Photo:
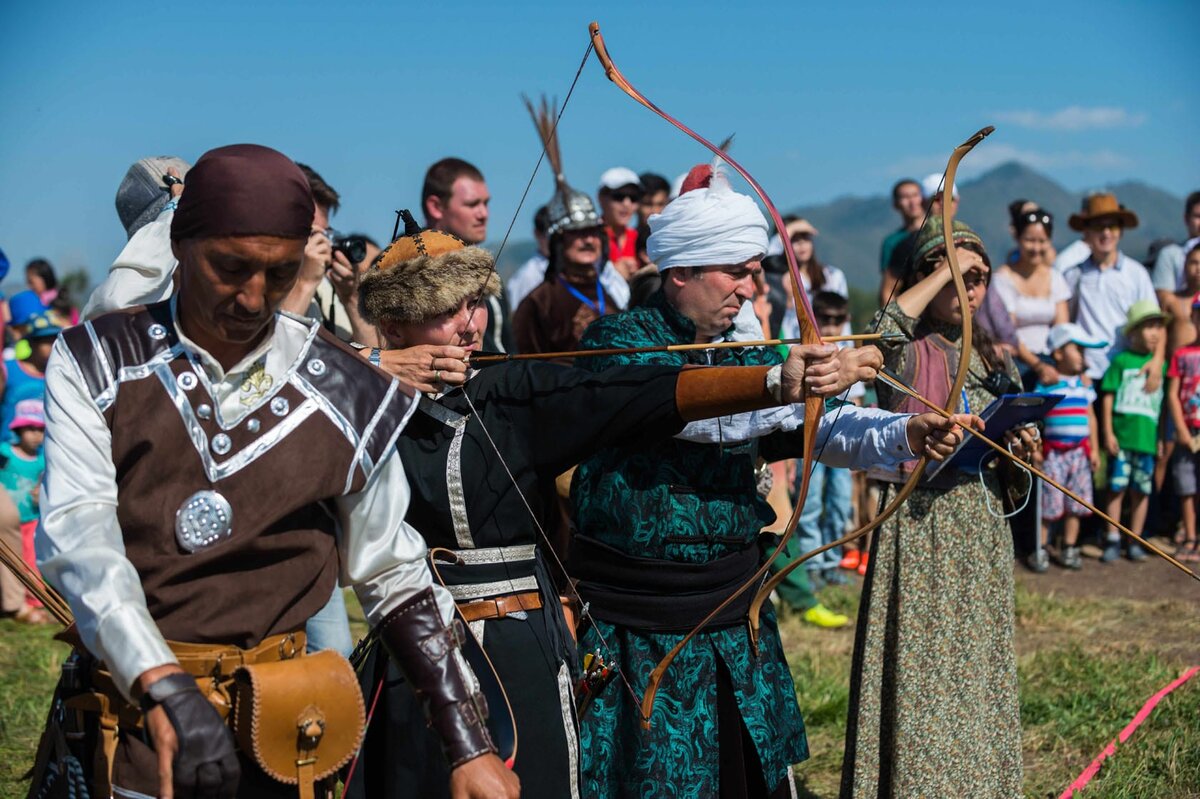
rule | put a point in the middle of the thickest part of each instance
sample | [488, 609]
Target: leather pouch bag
[300, 719]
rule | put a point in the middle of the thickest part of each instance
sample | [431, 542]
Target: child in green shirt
[1129, 421]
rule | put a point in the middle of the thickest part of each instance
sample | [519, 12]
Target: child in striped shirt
[1071, 438]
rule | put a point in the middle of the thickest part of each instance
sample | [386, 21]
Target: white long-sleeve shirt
[80, 548]
[849, 437]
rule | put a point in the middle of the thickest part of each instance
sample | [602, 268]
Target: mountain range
[852, 228]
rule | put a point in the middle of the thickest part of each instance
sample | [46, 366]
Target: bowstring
[878, 322]
[583, 611]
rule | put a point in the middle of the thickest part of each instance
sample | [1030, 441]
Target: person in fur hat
[482, 458]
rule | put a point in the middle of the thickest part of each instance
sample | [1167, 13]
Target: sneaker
[1136, 553]
[815, 580]
[850, 560]
[1071, 558]
[1111, 552]
[822, 616]
[862, 565]
[834, 577]
[1038, 561]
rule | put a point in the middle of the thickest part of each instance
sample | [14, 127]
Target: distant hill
[852, 228]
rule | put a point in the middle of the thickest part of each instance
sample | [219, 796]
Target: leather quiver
[299, 719]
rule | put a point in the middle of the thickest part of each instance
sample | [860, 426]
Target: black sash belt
[660, 595]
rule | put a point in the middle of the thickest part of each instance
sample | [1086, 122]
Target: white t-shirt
[1032, 316]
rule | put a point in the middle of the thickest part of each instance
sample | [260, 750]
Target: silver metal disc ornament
[221, 443]
[280, 406]
[204, 519]
[157, 332]
[186, 380]
[316, 367]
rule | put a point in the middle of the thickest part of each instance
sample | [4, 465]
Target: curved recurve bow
[814, 406]
[960, 377]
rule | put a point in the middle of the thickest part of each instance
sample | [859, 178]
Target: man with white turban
[666, 530]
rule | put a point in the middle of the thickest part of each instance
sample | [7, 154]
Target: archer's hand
[1023, 442]
[484, 777]
[426, 367]
[824, 370]
[935, 436]
[196, 754]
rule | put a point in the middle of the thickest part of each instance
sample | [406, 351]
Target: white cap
[619, 176]
[1069, 332]
[932, 184]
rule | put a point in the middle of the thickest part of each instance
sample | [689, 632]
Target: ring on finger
[437, 375]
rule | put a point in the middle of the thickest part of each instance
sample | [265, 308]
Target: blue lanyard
[597, 306]
[966, 403]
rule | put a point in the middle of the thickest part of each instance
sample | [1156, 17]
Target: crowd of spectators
[1110, 335]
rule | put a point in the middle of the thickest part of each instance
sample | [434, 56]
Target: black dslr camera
[353, 247]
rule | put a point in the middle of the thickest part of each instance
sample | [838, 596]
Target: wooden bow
[964, 358]
[813, 406]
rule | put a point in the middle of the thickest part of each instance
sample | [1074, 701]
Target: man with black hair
[907, 199]
[532, 273]
[1168, 266]
[454, 198]
[656, 193]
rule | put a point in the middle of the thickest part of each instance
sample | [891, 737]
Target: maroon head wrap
[244, 190]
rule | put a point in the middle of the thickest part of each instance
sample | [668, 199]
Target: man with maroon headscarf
[182, 503]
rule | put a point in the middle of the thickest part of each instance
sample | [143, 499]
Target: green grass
[1086, 666]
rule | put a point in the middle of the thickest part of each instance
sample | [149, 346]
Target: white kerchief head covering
[707, 225]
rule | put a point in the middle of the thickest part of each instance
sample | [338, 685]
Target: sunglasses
[832, 319]
[625, 196]
[802, 237]
[1104, 224]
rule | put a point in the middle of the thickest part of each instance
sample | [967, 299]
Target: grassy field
[1086, 666]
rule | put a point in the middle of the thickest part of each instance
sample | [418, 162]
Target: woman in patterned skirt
[933, 703]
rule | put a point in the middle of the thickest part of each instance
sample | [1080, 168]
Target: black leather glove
[206, 763]
[425, 649]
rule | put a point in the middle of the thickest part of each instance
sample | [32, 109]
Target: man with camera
[327, 288]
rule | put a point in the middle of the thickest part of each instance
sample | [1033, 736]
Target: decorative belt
[486, 573]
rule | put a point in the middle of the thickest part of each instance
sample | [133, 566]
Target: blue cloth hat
[24, 305]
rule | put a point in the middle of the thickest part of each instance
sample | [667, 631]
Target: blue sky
[826, 99]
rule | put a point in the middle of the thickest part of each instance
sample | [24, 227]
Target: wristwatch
[374, 357]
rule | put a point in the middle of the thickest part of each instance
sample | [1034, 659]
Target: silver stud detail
[204, 411]
[202, 520]
[253, 425]
[280, 406]
[221, 443]
[187, 381]
[157, 332]
[316, 367]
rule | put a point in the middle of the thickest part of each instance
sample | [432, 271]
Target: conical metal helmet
[571, 210]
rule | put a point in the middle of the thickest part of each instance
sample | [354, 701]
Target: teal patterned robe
[688, 502]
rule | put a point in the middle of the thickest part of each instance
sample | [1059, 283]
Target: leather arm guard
[426, 650]
[705, 392]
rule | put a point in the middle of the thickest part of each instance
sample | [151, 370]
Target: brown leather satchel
[300, 719]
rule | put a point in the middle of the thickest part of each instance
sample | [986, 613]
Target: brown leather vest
[316, 435]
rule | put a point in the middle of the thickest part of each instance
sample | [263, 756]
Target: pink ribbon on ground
[1088, 773]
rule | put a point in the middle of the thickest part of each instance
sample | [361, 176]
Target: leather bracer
[705, 391]
[426, 650]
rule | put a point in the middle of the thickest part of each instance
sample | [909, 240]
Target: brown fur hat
[423, 286]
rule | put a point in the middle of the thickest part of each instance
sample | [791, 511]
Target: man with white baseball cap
[620, 191]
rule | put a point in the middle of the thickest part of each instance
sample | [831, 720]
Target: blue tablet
[1005, 413]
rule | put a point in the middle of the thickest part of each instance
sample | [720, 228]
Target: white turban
[707, 227]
